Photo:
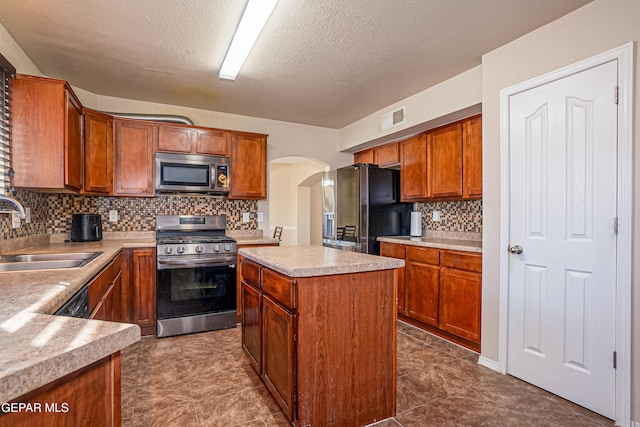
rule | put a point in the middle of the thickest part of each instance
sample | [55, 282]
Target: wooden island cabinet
[320, 332]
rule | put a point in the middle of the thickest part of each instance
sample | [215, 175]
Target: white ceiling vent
[393, 118]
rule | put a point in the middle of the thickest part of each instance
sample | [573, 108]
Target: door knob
[517, 249]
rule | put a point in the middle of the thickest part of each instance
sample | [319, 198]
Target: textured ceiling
[320, 62]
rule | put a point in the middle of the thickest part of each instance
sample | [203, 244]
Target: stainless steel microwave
[192, 173]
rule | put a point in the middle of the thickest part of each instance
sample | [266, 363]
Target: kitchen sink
[50, 261]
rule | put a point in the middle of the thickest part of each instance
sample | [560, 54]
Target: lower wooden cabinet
[394, 250]
[87, 397]
[105, 292]
[442, 291]
[140, 295]
[423, 286]
[460, 296]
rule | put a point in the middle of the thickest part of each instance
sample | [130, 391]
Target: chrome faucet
[21, 213]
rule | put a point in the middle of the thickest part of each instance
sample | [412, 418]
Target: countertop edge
[437, 243]
[379, 263]
[40, 373]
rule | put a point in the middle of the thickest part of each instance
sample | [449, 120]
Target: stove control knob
[168, 250]
[227, 248]
[216, 248]
[180, 249]
[199, 249]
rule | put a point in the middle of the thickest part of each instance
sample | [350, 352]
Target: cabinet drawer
[425, 255]
[280, 288]
[392, 250]
[463, 261]
[250, 273]
[98, 287]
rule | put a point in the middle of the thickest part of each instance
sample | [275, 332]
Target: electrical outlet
[435, 215]
[15, 219]
[260, 216]
[27, 212]
[245, 216]
[113, 215]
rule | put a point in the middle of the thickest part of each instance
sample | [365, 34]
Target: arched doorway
[295, 199]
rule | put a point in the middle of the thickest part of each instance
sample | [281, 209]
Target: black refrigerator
[360, 203]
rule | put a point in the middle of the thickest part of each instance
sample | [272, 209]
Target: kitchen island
[318, 326]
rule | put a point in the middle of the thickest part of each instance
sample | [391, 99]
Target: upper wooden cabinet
[364, 156]
[387, 155]
[413, 169]
[47, 135]
[454, 154]
[248, 166]
[134, 157]
[472, 158]
[444, 162]
[191, 139]
[384, 155]
[98, 153]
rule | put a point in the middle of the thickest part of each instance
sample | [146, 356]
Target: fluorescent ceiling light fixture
[254, 17]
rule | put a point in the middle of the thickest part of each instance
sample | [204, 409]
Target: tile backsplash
[51, 213]
[457, 215]
[37, 203]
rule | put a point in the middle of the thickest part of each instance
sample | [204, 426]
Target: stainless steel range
[196, 279]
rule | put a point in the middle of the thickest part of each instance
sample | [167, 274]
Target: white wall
[290, 202]
[14, 53]
[592, 29]
[450, 96]
[285, 139]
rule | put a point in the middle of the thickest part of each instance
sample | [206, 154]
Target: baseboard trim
[492, 364]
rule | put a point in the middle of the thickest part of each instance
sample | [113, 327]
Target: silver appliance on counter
[196, 274]
[360, 203]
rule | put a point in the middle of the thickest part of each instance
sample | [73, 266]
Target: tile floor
[204, 380]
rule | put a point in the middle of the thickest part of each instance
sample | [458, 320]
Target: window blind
[7, 71]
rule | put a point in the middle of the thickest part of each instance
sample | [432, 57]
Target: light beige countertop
[315, 260]
[251, 241]
[251, 237]
[460, 242]
[37, 347]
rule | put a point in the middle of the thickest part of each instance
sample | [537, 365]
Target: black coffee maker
[86, 228]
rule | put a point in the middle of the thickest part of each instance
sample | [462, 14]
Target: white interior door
[562, 286]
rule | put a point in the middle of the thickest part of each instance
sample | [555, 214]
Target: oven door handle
[166, 264]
